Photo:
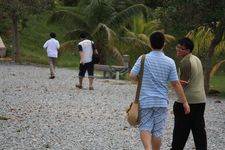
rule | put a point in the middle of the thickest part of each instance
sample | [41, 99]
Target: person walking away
[192, 80]
[52, 46]
[158, 71]
[86, 49]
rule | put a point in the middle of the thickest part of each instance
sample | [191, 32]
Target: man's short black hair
[187, 43]
[52, 34]
[157, 40]
[82, 35]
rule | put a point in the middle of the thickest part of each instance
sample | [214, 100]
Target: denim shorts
[153, 120]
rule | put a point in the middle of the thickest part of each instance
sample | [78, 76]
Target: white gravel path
[52, 114]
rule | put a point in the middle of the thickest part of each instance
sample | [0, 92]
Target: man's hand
[186, 108]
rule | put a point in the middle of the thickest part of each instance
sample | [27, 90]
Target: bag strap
[140, 79]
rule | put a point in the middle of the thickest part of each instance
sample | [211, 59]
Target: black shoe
[52, 77]
[78, 86]
[91, 88]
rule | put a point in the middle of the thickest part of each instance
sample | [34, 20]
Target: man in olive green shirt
[192, 80]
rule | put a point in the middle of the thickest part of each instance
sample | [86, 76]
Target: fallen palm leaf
[216, 67]
[3, 118]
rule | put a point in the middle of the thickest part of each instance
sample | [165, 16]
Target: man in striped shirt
[158, 71]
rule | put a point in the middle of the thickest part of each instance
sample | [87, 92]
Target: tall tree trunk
[102, 52]
[207, 66]
[219, 30]
[16, 45]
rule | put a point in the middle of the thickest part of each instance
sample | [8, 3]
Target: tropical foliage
[202, 37]
[101, 21]
[209, 42]
[210, 14]
[117, 27]
[19, 11]
[138, 34]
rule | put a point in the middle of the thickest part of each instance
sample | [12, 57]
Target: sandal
[91, 88]
[79, 86]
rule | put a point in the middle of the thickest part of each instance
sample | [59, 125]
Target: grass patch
[217, 82]
[34, 36]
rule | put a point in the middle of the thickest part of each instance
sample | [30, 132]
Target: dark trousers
[89, 67]
[183, 124]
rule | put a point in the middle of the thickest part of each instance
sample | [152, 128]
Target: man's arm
[184, 83]
[81, 54]
[180, 92]
[185, 73]
[81, 57]
[58, 45]
[133, 76]
[45, 45]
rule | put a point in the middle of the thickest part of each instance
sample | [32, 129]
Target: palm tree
[142, 29]
[202, 37]
[100, 20]
[137, 34]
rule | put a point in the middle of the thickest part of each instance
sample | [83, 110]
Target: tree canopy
[18, 12]
[186, 15]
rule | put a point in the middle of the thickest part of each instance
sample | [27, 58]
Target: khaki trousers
[52, 64]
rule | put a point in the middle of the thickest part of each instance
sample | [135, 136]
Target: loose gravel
[42, 114]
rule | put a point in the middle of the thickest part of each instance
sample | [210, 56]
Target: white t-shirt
[87, 49]
[52, 46]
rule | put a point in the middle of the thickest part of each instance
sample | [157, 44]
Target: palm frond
[104, 29]
[64, 15]
[136, 42]
[108, 37]
[143, 37]
[98, 11]
[68, 46]
[152, 26]
[117, 54]
[128, 33]
[169, 38]
[215, 68]
[202, 38]
[74, 34]
[138, 25]
[126, 14]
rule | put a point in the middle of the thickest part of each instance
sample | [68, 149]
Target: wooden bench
[105, 68]
[110, 70]
[2, 49]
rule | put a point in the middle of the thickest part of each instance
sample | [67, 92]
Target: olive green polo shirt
[191, 70]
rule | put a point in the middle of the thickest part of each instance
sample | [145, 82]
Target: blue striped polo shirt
[158, 71]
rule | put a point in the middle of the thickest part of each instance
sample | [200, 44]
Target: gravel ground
[53, 114]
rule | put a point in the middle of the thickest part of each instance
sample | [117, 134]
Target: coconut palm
[202, 37]
[142, 29]
[100, 21]
[139, 31]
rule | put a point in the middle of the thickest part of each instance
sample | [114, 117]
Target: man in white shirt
[52, 45]
[86, 50]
